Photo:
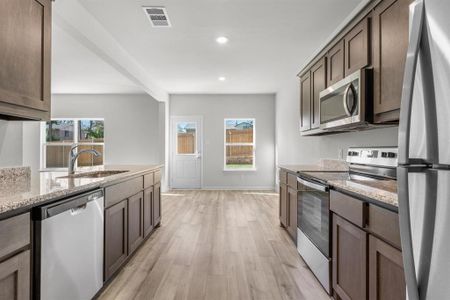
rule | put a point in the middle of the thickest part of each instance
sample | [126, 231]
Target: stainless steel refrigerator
[424, 153]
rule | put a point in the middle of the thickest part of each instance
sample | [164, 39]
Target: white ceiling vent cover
[157, 16]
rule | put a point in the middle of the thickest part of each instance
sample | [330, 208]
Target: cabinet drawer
[292, 181]
[149, 180]
[157, 177]
[283, 177]
[116, 193]
[385, 224]
[348, 207]
[14, 234]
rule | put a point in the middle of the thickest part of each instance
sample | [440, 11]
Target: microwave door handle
[408, 81]
[312, 185]
[347, 91]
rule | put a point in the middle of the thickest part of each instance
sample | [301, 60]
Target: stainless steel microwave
[347, 104]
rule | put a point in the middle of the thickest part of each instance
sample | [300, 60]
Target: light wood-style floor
[217, 245]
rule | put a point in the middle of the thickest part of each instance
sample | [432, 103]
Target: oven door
[343, 104]
[313, 214]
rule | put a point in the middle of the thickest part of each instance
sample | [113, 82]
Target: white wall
[292, 148]
[214, 108]
[131, 123]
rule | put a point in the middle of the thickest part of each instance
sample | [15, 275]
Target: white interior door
[186, 152]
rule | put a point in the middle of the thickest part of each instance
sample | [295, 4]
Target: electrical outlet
[341, 153]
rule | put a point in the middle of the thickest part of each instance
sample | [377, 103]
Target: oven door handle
[312, 185]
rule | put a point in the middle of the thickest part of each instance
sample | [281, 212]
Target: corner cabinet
[288, 203]
[25, 59]
[133, 211]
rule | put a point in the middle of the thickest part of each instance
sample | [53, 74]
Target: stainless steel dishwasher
[69, 248]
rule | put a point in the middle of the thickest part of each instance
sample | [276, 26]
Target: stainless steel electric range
[313, 204]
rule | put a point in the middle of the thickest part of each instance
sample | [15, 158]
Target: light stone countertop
[384, 191]
[20, 190]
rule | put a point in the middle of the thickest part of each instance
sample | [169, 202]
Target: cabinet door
[292, 213]
[116, 232]
[357, 47]
[386, 275]
[349, 260]
[15, 277]
[25, 42]
[319, 83]
[157, 204]
[283, 205]
[135, 221]
[305, 102]
[148, 211]
[390, 43]
[335, 63]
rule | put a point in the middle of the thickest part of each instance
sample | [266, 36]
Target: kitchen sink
[95, 174]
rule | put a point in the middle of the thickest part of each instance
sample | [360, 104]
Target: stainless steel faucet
[74, 156]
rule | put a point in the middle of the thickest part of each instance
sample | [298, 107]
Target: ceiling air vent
[157, 16]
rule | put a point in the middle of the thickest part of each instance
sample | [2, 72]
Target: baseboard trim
[240, 188]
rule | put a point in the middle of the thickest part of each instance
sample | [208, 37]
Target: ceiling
[77, 70]
[269, 41]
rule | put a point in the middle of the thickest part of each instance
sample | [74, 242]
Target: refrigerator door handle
[406, 234]
[408, 81]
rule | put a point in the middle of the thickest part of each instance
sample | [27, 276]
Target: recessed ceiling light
[221, 78]
[222, 40]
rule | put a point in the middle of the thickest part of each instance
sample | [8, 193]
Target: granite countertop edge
[18, 206]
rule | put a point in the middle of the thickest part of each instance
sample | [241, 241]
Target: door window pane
[91, 131]
[186, 138]
[239, 157]
[59, 131]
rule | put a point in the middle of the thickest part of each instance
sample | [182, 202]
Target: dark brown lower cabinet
[148, 211]
[292, 216]
[135, 221]
[386, 274]
[116, 237]
[15, 277]
[157, 204]
[283, 205]
[349, 260]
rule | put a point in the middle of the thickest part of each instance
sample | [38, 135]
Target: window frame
[225, 144]
[44, 143]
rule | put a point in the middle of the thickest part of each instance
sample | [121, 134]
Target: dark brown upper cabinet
[390, 43]
[25, 54]
[305, 102]
[335, 67]
[319, 83]
[356, 48]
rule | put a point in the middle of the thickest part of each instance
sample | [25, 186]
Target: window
[239, 144]
[59, 135]
[186, 138]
